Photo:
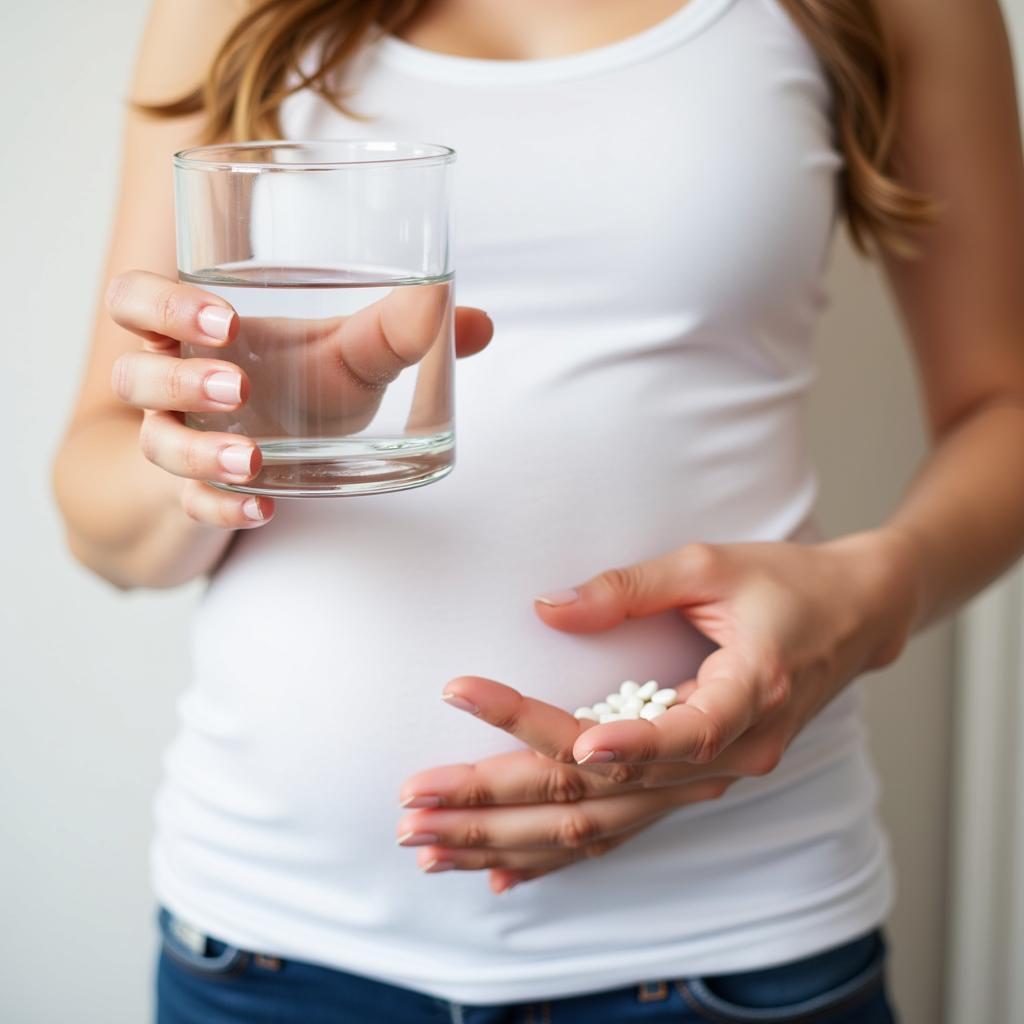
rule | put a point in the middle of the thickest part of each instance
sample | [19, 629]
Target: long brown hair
[249, 79]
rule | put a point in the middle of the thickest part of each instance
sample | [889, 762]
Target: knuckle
[474, 795]
[167, 307]
[121, 377]
[509, 719]
[117, 289]
[620, 773]
[710, 743]
[562, 755]
[194, 458]
[563, 786]
[698, 558]
[474, 834]
[622, 580]
[576, 830]
[179, 383]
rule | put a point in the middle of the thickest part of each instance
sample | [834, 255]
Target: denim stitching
[713, 1008]
[227, 964]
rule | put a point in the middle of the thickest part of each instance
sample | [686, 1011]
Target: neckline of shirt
[693, 17]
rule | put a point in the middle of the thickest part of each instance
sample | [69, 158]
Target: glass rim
[192, 158]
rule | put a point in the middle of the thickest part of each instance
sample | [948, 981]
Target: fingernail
[223, 387]
[559, 597]
[421, 801]
[597, 756]
[438, 865]
[417, 839]
[215, 321]
[461, 703]
[236, 459]
[251, 510]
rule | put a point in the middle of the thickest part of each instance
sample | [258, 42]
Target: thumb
[691, 574]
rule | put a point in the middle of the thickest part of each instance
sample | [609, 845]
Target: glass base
[338, 467]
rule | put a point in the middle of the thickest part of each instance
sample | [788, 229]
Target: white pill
[613, 717]
[629, 713]
[652, 710]
[632, 704]
[616, 700]
[628, 688]
[585, 713]
[648, 690]
[666, 697]
[602, 708]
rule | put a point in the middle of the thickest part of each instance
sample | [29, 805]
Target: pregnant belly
[310, 712]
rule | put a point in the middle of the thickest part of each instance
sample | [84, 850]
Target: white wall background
[83, 728]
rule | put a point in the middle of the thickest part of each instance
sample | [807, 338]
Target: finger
[549, 730]
[154, 307]
[395, 332]
[535, 826]
[197, 454]
[516, 777]
[225, 509]
[526, 777]
[473, 331]
[148, 380]
[531, 862]
[722, 705]
[504, 877]
[433, 860]
[691, 574]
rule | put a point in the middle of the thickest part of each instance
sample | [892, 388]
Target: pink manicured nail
[559, 597]
[461, 703]
[251, 510]
[236, 459]
[597, 757]
[422, 801]
[223, 387]
[438, 865]
[216, 321]
[417, 839]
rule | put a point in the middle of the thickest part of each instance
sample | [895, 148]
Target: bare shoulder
[180, 40]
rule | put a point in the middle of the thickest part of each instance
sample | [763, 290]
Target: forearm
[123, 516]
[963, 514]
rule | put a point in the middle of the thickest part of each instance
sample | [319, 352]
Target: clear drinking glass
[336, 257]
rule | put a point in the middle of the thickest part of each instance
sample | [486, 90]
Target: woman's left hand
[794, 623]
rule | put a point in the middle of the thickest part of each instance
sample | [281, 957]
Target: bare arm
[963, 300]
[132, 481]
[123, 515]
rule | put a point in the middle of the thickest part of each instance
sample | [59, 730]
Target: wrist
[886, 567]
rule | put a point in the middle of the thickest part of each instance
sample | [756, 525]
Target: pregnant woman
[646, 196]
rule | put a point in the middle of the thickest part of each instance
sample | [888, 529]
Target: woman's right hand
[165, 313]
[357, 356]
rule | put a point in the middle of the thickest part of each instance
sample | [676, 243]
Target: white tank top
[647, 225]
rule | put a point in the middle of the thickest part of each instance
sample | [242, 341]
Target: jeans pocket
[207, 957]
[758, 996]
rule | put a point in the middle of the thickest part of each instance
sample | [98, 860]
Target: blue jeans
[203, 981]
